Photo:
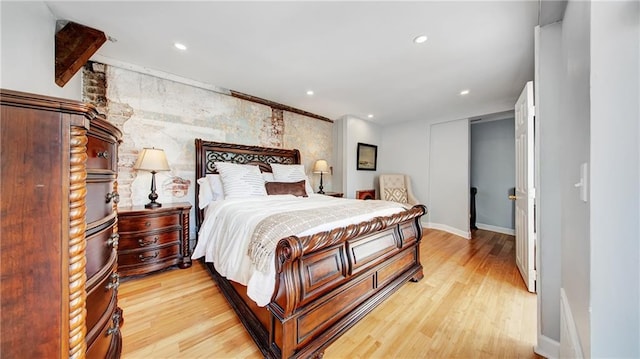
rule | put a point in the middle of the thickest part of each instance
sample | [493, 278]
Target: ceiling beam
[75, 44]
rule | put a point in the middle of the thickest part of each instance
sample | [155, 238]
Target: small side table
[153, 239]
[334, 194]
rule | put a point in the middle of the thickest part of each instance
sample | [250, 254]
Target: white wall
[406, 149]
[353, 130]
[449, 177]
[549, 143]
[28, 51]
[574, 150]
[615, 179]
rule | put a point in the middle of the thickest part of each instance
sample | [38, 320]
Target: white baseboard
[488, 227]
[444, 227]
[569, 340]
[547, 347]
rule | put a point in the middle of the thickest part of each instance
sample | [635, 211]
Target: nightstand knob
[147, 258]
[113, 240]
[144, 243]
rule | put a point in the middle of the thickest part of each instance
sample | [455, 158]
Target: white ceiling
[358, 57]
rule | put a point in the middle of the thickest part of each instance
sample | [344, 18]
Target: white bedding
[226, 231]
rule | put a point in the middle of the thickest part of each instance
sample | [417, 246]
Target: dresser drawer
[100, 200]
[100, 247]
[101, 297]
[146, 223]
[144, 240]
[147, 257]
[101, 153]
[106, 342]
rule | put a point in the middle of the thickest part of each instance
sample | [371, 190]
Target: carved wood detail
[77, 244]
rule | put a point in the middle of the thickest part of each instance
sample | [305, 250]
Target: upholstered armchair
[396, 188]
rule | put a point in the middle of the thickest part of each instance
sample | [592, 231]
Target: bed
[324, 282]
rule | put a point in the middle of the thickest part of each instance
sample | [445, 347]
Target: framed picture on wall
[367, 157]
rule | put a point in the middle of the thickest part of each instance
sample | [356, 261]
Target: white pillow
[216, 187]
[205, 193]
[291, 173]
[268, 177]
[241, 181]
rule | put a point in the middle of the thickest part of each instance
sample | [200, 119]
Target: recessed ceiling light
[369, 116]
[310, 92]
[180, 46]
[420, 39]
[464, 92]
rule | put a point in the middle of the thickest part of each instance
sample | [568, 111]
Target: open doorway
[492, 171]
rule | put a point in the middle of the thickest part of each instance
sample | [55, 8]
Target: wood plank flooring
[471, 303]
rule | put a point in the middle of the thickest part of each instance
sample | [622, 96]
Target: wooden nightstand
[334, 194]
[153, 239]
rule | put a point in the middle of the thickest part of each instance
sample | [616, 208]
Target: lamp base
[153, 205]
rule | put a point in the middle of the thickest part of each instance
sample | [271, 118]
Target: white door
[525, 192]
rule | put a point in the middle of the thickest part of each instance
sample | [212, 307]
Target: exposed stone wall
[156, 112]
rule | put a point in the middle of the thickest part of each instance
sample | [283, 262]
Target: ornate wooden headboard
[207, 153]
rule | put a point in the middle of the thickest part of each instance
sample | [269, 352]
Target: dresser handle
[116, 324]
[147, 224]
[144, 243]
[113, 240]
[113, 195]
[115, 282]
[104, 154]
[144, 259]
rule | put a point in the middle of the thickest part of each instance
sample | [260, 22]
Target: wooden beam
[278, 106]
[75, 44]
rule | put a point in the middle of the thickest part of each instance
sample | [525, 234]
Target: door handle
[513, 198]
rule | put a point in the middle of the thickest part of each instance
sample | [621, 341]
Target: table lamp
[321, 167]
[153, 160]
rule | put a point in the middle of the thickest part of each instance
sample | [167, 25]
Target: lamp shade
[152, 159]
[321, 166]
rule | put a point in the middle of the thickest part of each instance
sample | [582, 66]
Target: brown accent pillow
[295, 188]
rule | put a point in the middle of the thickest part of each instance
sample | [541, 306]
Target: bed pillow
[216, 187]
[205, 193]
[268, 177]
[291, 173]
[295, 188]
[241, 181]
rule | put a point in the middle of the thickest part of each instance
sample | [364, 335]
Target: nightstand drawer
[146, 223]
[146, 257]
[143, 240]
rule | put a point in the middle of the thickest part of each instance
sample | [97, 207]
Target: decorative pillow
[291, 173]
[294, 188]
[241, 181]
[205, 193]
[396, 195]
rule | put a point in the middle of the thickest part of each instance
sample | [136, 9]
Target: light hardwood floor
[471, 303]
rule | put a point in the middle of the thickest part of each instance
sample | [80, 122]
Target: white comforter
[229, 224]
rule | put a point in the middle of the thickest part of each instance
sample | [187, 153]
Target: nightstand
[334, 194]
[153, 239]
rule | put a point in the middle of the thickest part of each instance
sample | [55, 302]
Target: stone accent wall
[160, 113]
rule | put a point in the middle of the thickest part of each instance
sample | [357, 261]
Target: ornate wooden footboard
[325, 282]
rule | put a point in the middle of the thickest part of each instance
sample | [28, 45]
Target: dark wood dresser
[153, 239]
[59, 230]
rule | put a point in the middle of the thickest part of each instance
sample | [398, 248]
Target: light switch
[584, 176]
